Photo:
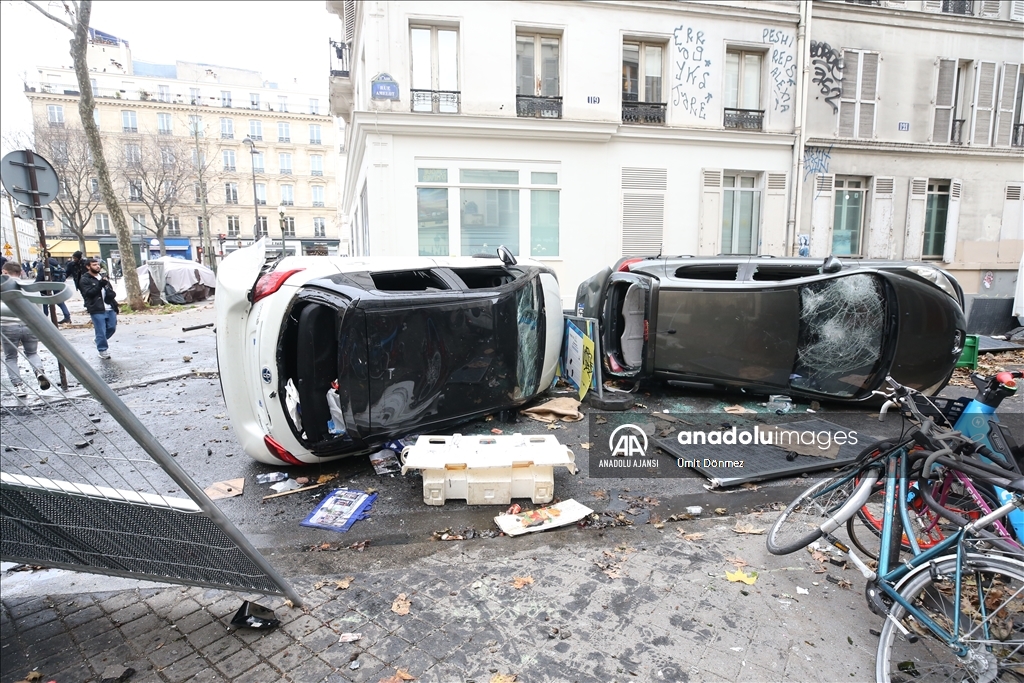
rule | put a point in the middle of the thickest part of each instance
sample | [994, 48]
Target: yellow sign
[588, 365]
[8, 250]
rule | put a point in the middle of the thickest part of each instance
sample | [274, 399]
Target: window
[319, 227]
[169, 190]
[936, 210]
[55, 115]
[132, 153]
[432, 213]
[163, 93]
[163, 124]
[194, 96]
[94, 188]
[435, 69]
[490, 216]
[166, 157]
[285, 163]
[173, 227]
[200, 191]
[198, 159]
[102, 224]
[642, 86]
[257, 162]
[229, 159]
[254, 100]
[225, 98]
[195, 125]
[256, 130]
[743, 90]
[234, 226]
[288, 226]
[543, 222]
[318, 195]
[282, 103]
[314, 105]
[261, 193]
[135, 190]
[950, 102]
[847, 225]
[965, 7]
[261, 226]
[138, 224]
[129, 123]
[65, 225]
[741, 208]
[231, 193]
[287, 195]
[284, 132]
[314, 133]
[316, 164]
[227, 129]
[93, 86]
[1010, 124]
[537, 76]
[859, 90]
[59, 150]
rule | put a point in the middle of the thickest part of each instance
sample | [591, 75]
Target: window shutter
[990, 8]
[956, 187]
[880, 238]
[710, 226]
[984, 102]
[1011, 232]
[643, 211]
[944, 92]
[349, 11]
[868, 95]
[932, 5]
[1007, 98]
[848, 97]
[773, 222]
[917, 201]
[1017, 10]
[822, 214]
[896, 4]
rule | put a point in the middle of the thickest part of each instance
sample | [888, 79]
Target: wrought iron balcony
[339, 59]
[318, 204]
[227, 136]
[745, 119]
[314, 172]
[165, 131]
[530, 106]
[230, 167]
[965, 7]
[56, 124]
[643, 112]
[436, 101]
[315, 141]
[255, 137]
[129, 129]
[1018, 135]
[957, 135]
[282, 138]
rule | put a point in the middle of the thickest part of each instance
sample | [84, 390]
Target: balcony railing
[965, 7]
[287, 202]
[315, 141]
[316, 172]
[165, 131]
[255, 137]
[436, 101]
[339, 59]
[281, 138]
[227, 136]
[318, 204]
[1018, 135]
[529, 106]
[644, 112]
[129, 129]
[229, 168]
[957, 135]
[56, 124]
[286, 171]
[258, 169]
[744, 119]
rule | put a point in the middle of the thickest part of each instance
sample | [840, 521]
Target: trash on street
[565, 408]
[340, 510]
[251, 615]
[271, 477]
[286, 485]
[225, 489]
[385, 461]
[566, 512]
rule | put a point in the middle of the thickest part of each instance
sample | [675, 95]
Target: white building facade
[578, 132]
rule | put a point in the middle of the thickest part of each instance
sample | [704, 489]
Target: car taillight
[280, 452]
[624, 266]
[271, 282]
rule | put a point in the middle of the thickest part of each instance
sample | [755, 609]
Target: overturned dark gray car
[830, 330]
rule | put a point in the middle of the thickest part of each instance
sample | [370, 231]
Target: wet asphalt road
[188, 415]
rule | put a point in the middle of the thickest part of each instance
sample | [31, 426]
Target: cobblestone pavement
[618, 605]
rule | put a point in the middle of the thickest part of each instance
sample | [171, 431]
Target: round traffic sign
[15, 173]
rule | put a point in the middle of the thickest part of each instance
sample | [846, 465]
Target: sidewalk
[619, 605]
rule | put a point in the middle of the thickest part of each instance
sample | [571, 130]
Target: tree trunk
[86, 106]
[163, 243]
[81, 243]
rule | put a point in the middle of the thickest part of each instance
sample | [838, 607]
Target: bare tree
[78, 15]
[67, 149]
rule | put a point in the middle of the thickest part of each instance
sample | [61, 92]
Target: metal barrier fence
[85, 486]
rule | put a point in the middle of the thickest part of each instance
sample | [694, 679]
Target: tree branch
[65, 24]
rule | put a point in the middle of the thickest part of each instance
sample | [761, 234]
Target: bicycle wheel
[799, 524]
[991, 624]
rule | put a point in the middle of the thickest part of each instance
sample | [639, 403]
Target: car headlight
[935, 276]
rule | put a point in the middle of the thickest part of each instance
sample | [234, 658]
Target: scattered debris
[225, 489]
[350, 637]
[737, 562]
[340, 509]
[503, 678]
[842, 583]
[339, 584]
[738, 410]
[398, 677]
[251, 615]
[495, 430]
[747, 528]
[354, 664]
[359, 546]
[600, 494]
[401, 605]
[599, 419]
[385, 461]
[466, 534]
[271, 477]
[519, 581]
[604, 520]
[286, 485]
[802, 591]
[566, 512]
[324, 478]
[585, 446]
[113, 674]
[721, 511]
[564, 408]
[695, 536]
[695, 510]
[741, 576]
[656, 522]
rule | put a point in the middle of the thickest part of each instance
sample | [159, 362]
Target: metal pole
[61, 347]
[14, 227]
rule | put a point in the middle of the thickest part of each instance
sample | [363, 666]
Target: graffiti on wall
[692, 71]
[816, 160]
[782, 67]
[828, 72]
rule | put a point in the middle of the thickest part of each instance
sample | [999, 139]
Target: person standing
[75, 269]
[101, 303]
[57, 274]
[14, 332]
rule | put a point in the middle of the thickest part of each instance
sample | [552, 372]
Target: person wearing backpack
[57, 274]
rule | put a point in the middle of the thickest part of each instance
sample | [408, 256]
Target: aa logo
[628, 441]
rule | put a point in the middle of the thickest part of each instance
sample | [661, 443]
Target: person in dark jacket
[57, 274]
[75, 269]
[101, 303]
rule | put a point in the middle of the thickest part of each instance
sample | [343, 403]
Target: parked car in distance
[827, 330]
[322, 357]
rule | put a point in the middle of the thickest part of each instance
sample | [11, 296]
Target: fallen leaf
[585, 446]
[740, 576]
[519, 581]
[324, 478]
[398, 677]
[600, 420]
[696, 536]
[721, 511]
[503, 678]
[553, 426]
[401, 606]
[343, 584]
[738, 562]
[749, 486]
[819, 556]
[318, 585]
[359, 546]
[746, 528]
[599, 494]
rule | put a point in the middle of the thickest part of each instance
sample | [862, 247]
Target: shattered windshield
[528, 363]
[842, 325]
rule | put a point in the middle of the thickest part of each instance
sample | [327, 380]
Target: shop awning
[65, 248]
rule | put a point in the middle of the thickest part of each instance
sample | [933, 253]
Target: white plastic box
[487, 470]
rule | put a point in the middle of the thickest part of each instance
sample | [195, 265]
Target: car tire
[615, 401]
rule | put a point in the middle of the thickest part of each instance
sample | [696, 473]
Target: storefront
[179, 247]
[110, 249]
[64, 248]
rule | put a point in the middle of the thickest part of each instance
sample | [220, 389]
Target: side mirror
[831, 265]
[506, 256]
